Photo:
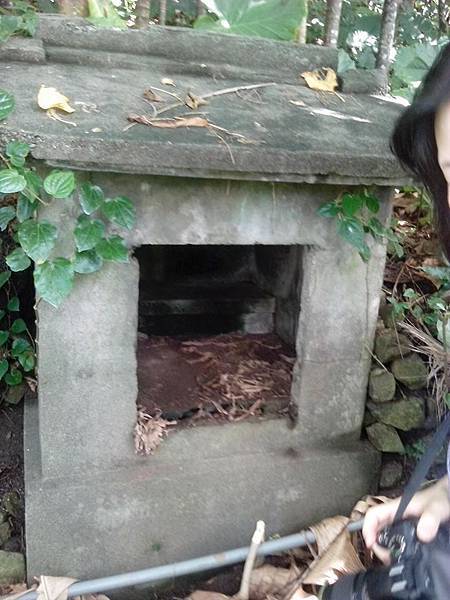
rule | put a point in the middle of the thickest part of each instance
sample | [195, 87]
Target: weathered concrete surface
[87, 373]
[87, 347]
[323, 138]
[196, 496]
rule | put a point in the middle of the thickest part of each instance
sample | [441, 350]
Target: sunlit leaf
[37, 239]
[54, 280]
[7, 104]
[88, 232]
[60, 184]
[11, 181]
[91, 197]
[120, 211]
[49, 97]
[113, 249]
[18, 260]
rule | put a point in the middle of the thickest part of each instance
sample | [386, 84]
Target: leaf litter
[305, 570]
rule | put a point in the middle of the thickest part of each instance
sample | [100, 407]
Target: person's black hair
[414, 143]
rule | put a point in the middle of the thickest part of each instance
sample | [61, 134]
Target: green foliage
[54, 280]
[59, 184]
[7, 104]
[415, 450]
[19, 19]
[354, 214]
[276, 19]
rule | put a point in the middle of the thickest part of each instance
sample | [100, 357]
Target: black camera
[417, 572]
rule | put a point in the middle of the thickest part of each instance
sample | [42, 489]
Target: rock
[390, 345]
[12, 567]
[385, 438]
[11, 504]
[387, 313]
[411, 371]
[369, 419]
[391, 474]
[14, 544]
[402, 414]
[5, 533]
[381, 385]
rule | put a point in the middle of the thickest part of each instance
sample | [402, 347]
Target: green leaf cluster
[275, 19]
[17, 354]
[19, 19]
[355, 219]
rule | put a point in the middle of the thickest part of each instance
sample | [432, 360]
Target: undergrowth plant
[355, 215]
[22, 191]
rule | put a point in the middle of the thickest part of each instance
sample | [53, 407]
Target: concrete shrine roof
[281, 132]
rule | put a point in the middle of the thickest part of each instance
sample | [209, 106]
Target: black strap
[423, 467]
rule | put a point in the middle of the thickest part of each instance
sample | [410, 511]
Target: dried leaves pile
[149, 432]
[238, 377]
[335, 553]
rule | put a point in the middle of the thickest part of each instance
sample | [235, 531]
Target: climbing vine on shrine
[22, 192]
[355, 216]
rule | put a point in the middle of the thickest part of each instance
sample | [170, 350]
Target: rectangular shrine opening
[217, 330]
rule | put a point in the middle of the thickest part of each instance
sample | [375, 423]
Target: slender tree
[443, 16]
[78, 8]
[162, 12]
[387, 34]
[142, 12]
[333, 19]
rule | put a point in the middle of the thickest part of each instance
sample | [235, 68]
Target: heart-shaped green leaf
[87, 262]
[11, 181]
[54, 280]
[7, 214]
[18, 346]
[25, 208]
[60, 184]
[14, 304]
[18, 326]
[91, 197]
[4, 277]
[37, 239]
[27, 361]
[18, 260]
[3, 367]
[4, 335]
[88, 233]
[7, 104]
[113, 249]
[34, 185]
[120, 211]
[14, 377]
[17, 152]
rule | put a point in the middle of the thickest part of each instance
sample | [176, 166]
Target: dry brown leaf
[363, 505]
[167, 81]
[50, 98]
[324, 80]
[270, 580]
[149, 432]
[336, 554]
[174, 123]
[193, 101]
[152, 96]
[202, 595]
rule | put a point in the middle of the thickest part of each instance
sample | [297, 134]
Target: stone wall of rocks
[398, 400]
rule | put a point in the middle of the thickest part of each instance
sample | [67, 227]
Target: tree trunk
[333, 20]
[201, 10]
[142, 12]
[162, 12]
[443, 15]
[387, 34]
[78, 8]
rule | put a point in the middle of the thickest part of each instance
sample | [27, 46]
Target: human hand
[430, 506]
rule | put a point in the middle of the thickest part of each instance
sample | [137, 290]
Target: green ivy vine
[22, 190]
[355, 215]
